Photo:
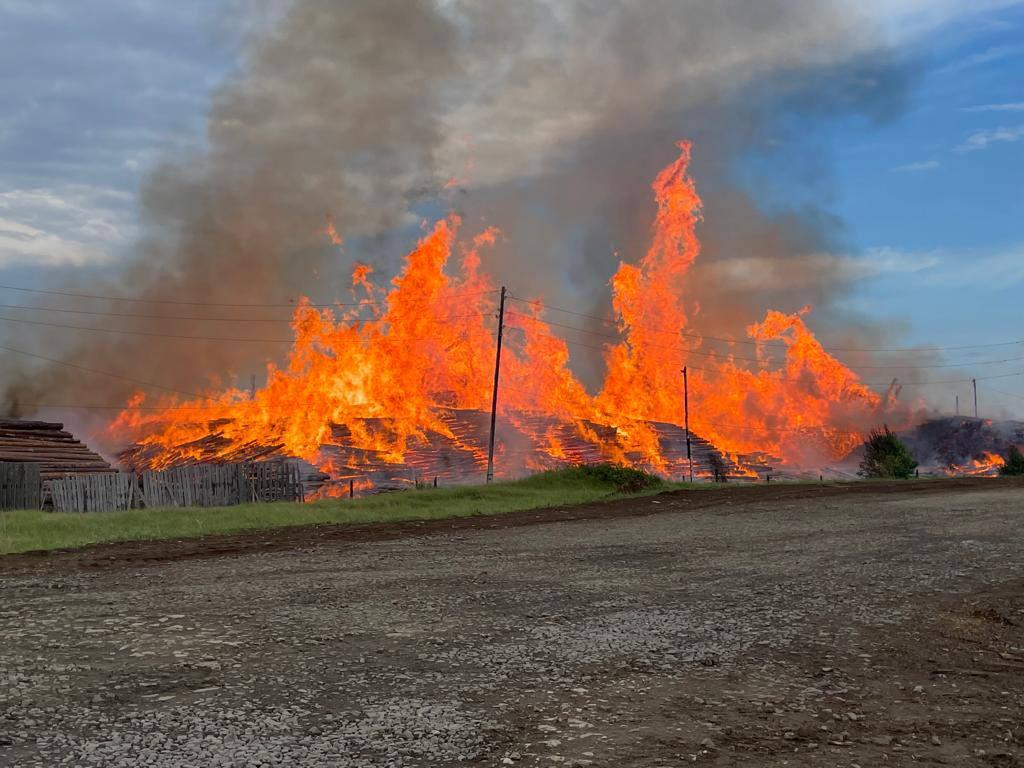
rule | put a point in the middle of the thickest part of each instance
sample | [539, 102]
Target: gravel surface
[868, 629]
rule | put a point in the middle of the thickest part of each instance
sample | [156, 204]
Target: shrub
[625, 479]
[885, 455]
[1014, 462]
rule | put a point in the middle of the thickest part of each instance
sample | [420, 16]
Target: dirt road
[808, 626]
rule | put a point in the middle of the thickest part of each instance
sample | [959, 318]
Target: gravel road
[869, 628]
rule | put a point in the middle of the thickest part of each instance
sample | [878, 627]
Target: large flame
[385, 373]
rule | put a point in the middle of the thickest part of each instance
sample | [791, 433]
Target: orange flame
[988, 463]
[384, 374]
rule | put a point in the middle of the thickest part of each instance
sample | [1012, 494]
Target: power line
[802, 381]
[1006, 394]
[291, 305]
[758, 360]
[97, 372]
[629, 417]
[688, 334]
[148, 317]
[189, 337]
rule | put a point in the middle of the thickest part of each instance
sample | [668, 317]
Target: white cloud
[924, 165]
[887, 261]
[982, 139]
[70, 226]
[993, 270]
[989, 55]
[914, 19]
[764, 274]
[1013, 106]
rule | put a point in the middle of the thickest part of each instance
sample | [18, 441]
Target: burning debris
[530, 441]
[403, 378]
[959, 445]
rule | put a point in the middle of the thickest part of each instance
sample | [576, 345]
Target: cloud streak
[924, 165]
[73, 225]
[984, 139]
[1012, 106]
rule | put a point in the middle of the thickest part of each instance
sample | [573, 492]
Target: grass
[25, 531]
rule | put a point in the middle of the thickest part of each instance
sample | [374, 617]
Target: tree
[1014, 462]
[885, 455]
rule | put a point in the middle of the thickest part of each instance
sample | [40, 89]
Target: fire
[384, 377]
[332, 233]
[988, 463]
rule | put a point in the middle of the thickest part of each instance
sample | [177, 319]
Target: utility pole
[974, 383]
[958, 405]
[494, 395]
[686, 416]
[252, 387]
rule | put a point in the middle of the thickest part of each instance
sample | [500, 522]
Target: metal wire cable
[175, 302]
[689, 334]
[758, 360]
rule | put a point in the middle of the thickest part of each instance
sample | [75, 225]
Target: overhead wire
[154, 334]
[136, 315]
[293, 304]
[759, 360]
[690, 334]
[97, 371]
[800, 381]
[177, 302]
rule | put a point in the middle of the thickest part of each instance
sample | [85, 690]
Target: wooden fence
[199, 485]
[271, 481]
[21, 486]
[94, 493]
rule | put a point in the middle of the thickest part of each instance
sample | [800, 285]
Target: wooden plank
[20, 486]
[94, 493]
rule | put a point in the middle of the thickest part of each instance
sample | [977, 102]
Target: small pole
[974, 383]
[252, 387]
[494, 395]
[958, 405]
[686, 416]
[351, 489]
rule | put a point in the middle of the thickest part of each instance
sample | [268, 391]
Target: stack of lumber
[46, 443]
[526, 442]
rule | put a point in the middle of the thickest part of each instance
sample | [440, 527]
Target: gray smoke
[556, 113]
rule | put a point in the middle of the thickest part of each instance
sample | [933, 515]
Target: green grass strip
[25, 531]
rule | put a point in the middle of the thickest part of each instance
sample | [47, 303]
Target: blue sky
[932, 201]
[937, 196]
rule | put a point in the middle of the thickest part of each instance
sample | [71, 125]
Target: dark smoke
[558, 114]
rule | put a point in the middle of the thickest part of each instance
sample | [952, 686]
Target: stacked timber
[455, 453]
[47, 444]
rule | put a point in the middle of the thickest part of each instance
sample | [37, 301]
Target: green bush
[885, 456]
[1014, 462]
[624, 479]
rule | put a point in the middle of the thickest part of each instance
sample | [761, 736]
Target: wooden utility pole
[494, 395]
[686, 417]
[974, 383]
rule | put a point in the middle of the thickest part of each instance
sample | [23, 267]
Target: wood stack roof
[47, 443]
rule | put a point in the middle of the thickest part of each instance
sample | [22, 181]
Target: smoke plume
[552, 117]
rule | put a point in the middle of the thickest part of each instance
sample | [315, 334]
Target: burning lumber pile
[959, 445]
[526, 442]
[47, 443]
